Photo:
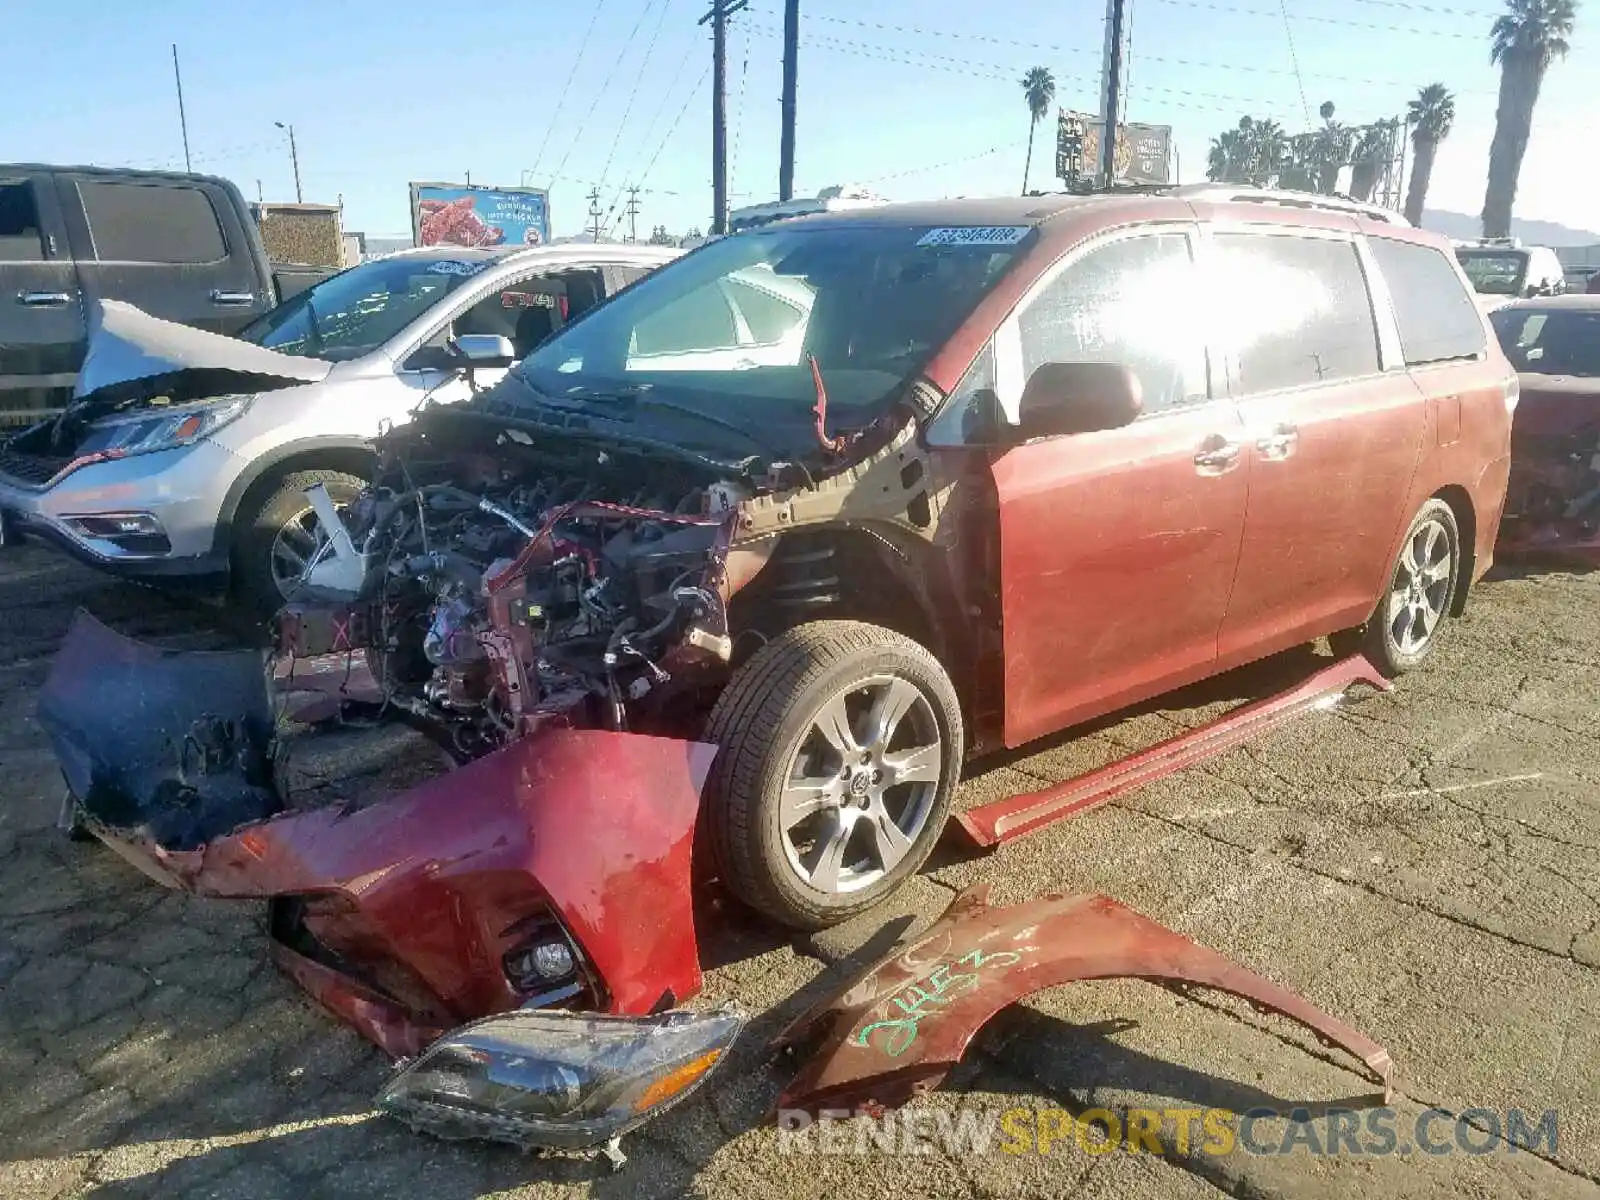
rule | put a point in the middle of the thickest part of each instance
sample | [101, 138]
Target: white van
[1505, 269]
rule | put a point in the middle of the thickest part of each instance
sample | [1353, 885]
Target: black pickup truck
[179, 246]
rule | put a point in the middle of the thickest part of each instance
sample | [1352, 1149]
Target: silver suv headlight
[161, 429]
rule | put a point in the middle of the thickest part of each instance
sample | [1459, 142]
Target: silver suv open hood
[131, 352]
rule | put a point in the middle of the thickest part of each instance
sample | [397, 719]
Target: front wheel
[279, 536]
[840, 748]
[1410, 617]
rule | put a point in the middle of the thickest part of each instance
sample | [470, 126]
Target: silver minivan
[187, 456]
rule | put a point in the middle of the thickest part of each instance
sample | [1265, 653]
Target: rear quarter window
[1437, 316]
[151, 223]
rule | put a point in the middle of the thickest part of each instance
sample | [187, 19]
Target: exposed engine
[509, 597]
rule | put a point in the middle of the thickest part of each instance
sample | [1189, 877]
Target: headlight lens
[558, 1080]
[160, 429]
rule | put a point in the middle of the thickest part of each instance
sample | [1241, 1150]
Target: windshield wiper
[642, 397]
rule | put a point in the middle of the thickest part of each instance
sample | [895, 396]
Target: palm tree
[1333, 148]
[1039, 89]
[1269, 152]
[1225, 162]
[1430, 115]
[1374, 147]
[1524, 41]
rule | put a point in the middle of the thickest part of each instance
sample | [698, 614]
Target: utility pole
[721, 10]
[183, 120]
[791, 53]
[1111, 78]
[294, 158]
[595, 213]
[632, 212]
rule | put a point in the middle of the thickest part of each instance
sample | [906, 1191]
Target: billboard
[454, 214]
[1142, 152]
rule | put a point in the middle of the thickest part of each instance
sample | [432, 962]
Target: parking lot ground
[1424, 865]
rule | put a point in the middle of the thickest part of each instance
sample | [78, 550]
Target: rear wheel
[278, 536]
[1410, 616]
[840, 749]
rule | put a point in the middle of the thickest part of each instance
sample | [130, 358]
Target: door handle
[219, 296]
[1217, 455]
[1279, 444]
[44, 299]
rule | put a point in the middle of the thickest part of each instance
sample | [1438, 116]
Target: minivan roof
[1032, 211]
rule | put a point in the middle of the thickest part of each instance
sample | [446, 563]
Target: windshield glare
[1494, 272]
[356, 311]
[1551, 341]
[728, 330]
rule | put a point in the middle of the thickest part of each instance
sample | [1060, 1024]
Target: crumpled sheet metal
[905, 1023]
[127, 344]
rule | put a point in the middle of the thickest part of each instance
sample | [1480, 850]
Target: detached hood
[132, 354]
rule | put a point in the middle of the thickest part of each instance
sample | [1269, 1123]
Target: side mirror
[1079, 397]
[483, 349]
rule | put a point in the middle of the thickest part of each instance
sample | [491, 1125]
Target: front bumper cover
[396, 916]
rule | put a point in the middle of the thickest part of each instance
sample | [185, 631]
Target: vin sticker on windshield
[974, 235]
[454, 266]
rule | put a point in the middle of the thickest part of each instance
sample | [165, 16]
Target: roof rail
[1249, 194]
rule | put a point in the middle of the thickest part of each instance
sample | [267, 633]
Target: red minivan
[831, 506]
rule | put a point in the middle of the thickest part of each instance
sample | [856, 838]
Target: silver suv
[188, 455]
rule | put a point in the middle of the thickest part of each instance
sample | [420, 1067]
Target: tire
[255, 585]
[1432, 531]
[769, 722]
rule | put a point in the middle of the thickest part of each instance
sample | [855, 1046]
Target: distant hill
[1535, 233]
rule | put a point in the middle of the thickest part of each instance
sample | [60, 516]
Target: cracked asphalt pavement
[1424, 865]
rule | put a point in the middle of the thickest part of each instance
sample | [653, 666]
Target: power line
[566, 88]
[661, 108]
[973, 37]
[952, 162]
[673, 128]
[1007, 73]
[738, 109]
[1294, 60]
[633, 94]
[1233, 67]
[1262, 12]
[605, 85]
[1476, 14]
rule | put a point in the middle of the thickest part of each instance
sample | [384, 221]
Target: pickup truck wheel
[278, 535]
[1410, 616]
[840, 749]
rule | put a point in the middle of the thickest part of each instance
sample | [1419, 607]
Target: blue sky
[915, 98]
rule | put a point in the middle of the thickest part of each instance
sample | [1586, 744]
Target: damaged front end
[552, 874]
[1553, 494]
[554, 871]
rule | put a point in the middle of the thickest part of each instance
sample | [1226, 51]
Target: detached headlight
[161, 429]
[558, 1080]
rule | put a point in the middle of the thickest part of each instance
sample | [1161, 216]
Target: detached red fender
[596, 826]
[900, 1027]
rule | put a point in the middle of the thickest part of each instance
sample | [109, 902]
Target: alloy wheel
[1421, 587]
[861, 786]
[296, 546]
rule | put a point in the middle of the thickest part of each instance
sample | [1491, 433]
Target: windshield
[355, 311]
[1494, 272]
[1550, 341]
[727, 334]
